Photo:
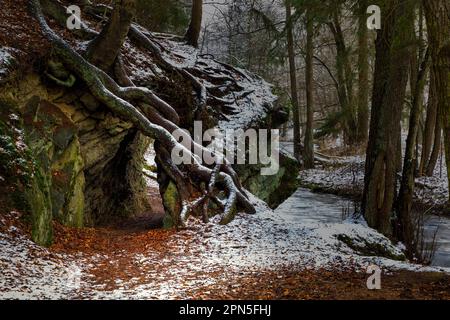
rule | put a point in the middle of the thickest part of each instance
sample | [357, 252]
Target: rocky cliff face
[86, 163]
[83, 165]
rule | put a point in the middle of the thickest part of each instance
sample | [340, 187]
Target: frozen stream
[305, 206]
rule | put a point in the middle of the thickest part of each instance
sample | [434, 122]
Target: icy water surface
[305, 206]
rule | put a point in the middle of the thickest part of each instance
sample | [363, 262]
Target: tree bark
[344, 79]
[363, 73]
[430, 126]
[293, 80]
[437, 14]
[405, 225]
[105, 48]
[195, 27]
[436, 147]
[390, 80]
[308, 155]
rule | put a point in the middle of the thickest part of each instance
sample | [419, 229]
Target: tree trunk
[344, 79]
[430, 126]
[293, 79]
[363, 74]
[308, 155]
[436, 147]
[437, 13]
[105, 48]
[195, 27]
[399, 150]
[390, 80]
[405, 226]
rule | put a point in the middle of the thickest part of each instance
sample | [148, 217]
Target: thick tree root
[204, 95]
[155, 119]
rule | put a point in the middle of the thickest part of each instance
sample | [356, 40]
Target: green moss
[230, 217]
[68, 186]
[38, 196]
[151, 168]
[172, 205]
[168, 222]
[273, 189]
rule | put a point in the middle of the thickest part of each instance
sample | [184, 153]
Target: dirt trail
[128, 260]
[117, 268]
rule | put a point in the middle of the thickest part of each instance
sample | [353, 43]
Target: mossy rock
[172, 205]
[68, 186]
[273, 189]
[57, 190]
[40, 202]
[372, 249]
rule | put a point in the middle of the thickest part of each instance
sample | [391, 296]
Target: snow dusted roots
[155, 119]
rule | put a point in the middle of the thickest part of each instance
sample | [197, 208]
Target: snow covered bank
[347, 178]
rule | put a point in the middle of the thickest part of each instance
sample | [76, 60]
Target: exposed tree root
[155, 119]
[204, 95]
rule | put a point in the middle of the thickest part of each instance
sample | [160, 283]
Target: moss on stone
[368, 248]
[68, 186]
[272, 189]
[38, 196]
[171, 200]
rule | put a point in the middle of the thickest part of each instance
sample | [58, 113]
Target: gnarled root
[156, 119]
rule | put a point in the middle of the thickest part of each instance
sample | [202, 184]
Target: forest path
[256, 257]
[154, 264]
[284, 254]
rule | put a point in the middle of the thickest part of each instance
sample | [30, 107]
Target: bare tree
[293, 79]
[195, 27]
[390, 79]
[105, 48]
[363, 73]
[437, 13]
[308, 154]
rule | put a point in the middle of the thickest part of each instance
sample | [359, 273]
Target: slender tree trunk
[390, 80]
[363, 74]
[436, 147]
[399, 150]
[437, 13]
[405, 226]
[430, 126]
[105, 48]
[308, 155]
[344, 79]
[195, 27]
[293, 79]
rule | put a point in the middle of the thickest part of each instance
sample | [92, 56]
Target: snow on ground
[32, 272]
[433, 191]
[347, 178]
[346, 175]
[199, 255]
[305, 232]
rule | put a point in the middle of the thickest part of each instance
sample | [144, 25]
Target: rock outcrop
[87, 163]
